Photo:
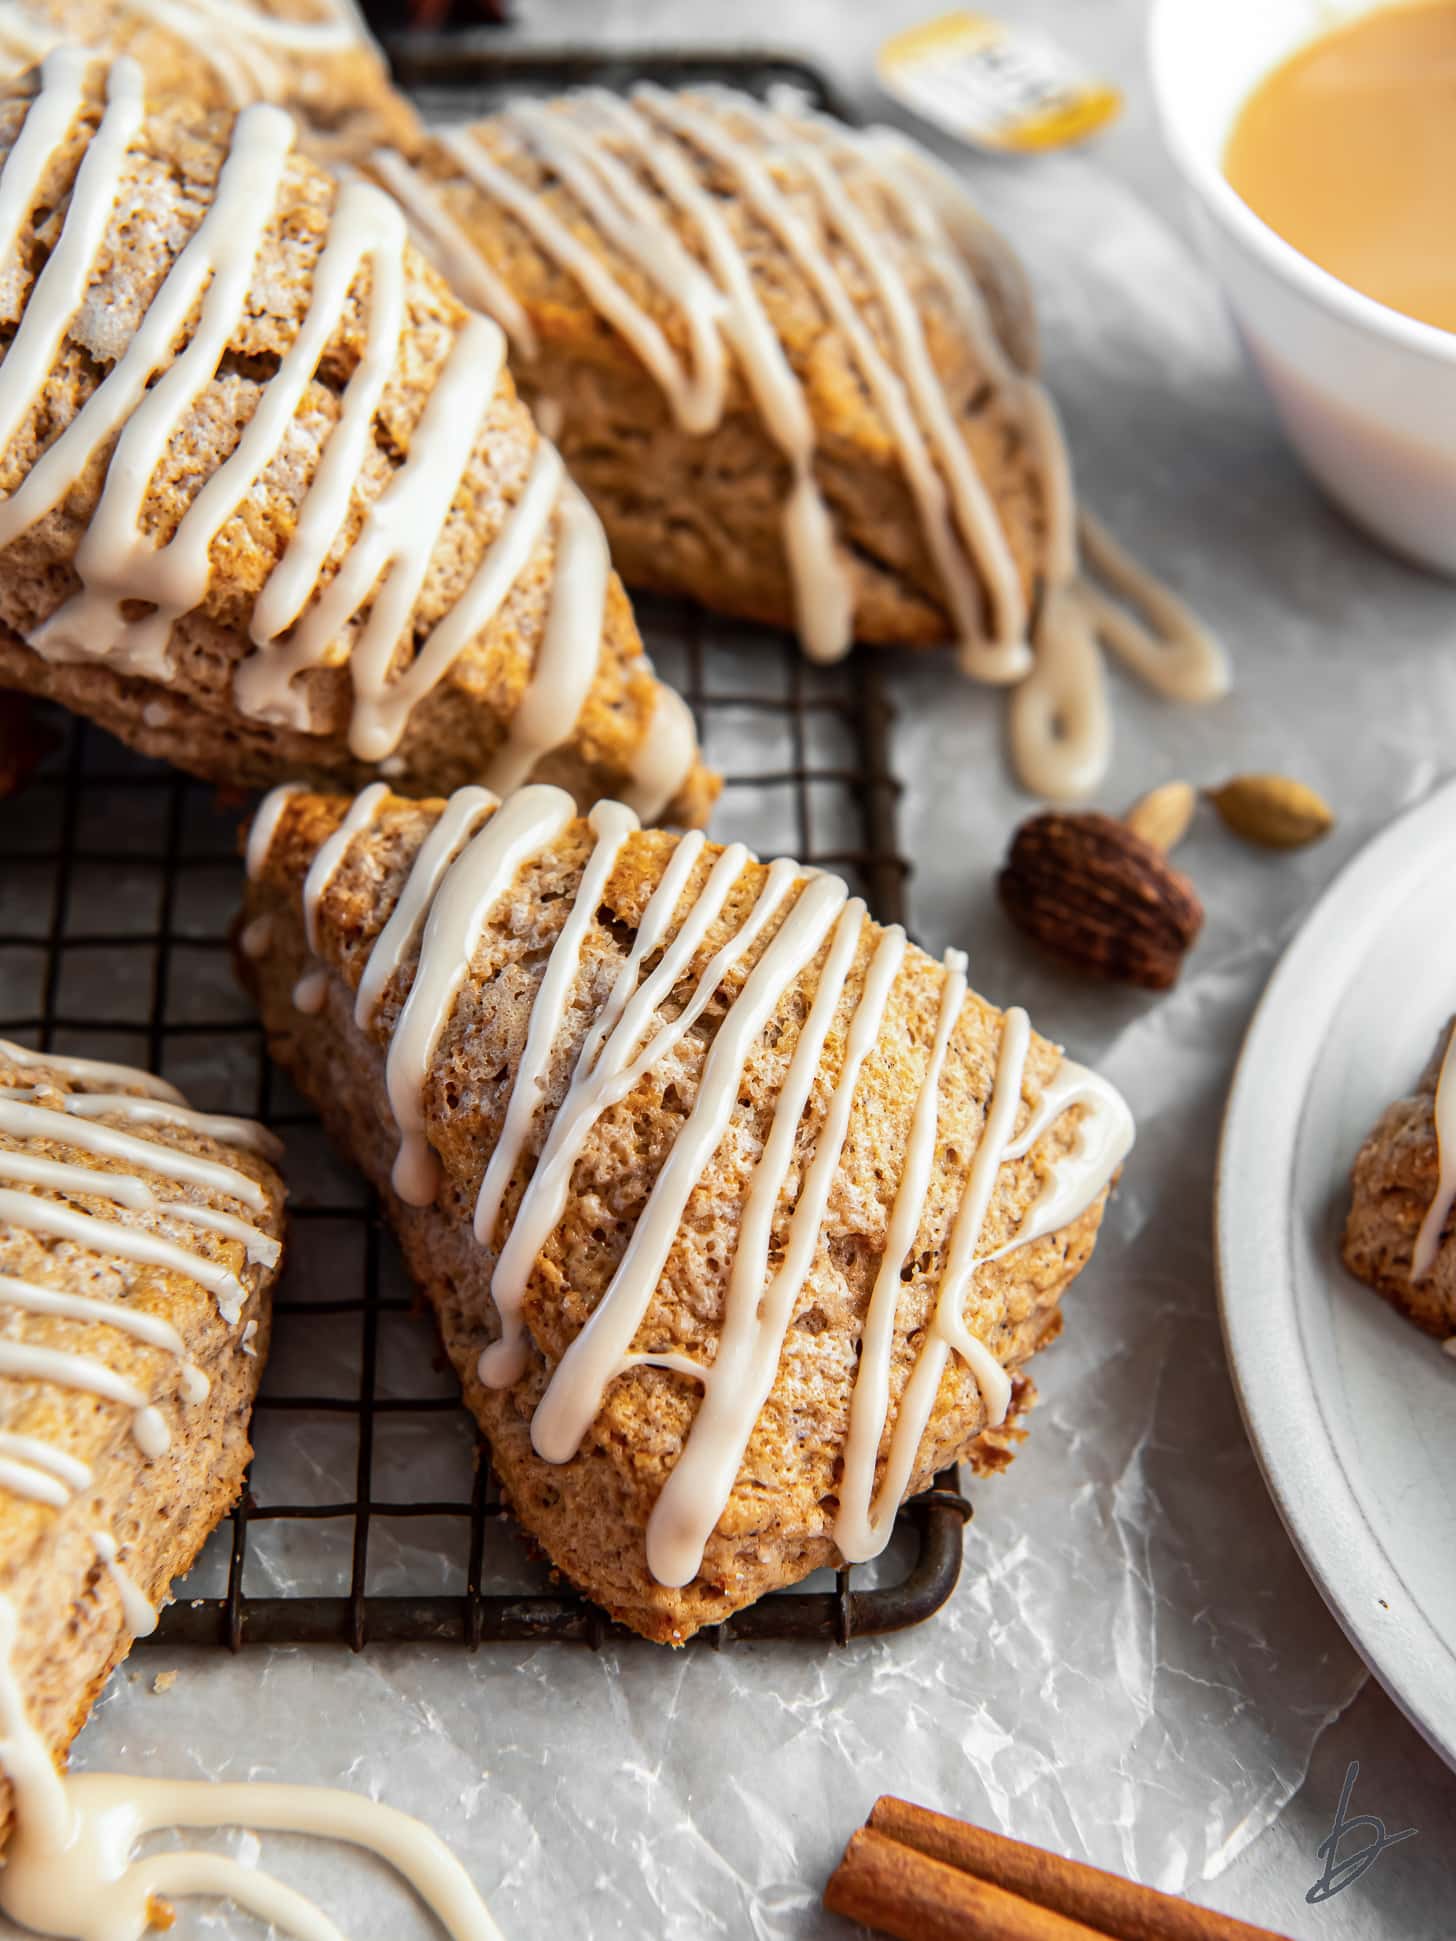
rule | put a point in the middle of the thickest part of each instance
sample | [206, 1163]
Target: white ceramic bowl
[1367, 396]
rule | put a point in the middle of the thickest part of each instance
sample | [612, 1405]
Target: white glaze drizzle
[35, 1215]
[795, 172]
[136, 1610]
[69, 1866]
[151, 1328]
[458, 822]
[264, 827]
[236, 42]
[1428, 1240]
[302, 621]
[308, 993]
[67, 1370]
[31, 1169]
[665, 757]
[611, 824]
[610, 1064]
[243, 1133]
[593, 1359]
[43, 1113]
[452, 252]
[823, 596]
[88, 1071]
[27, 1119]
[32, 1468]
[456, 880]
[1168, 647]
[760, 1304]
[475, 882]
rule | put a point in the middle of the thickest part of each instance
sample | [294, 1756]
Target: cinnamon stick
[1104, 1902]
[904, 1892]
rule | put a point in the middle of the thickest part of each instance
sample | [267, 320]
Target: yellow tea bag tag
[1000, 87]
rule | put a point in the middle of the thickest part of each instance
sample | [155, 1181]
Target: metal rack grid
[372, 1512]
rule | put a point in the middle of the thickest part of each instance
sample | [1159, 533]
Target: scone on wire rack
[139, 1246]
[314, 57]
[778, 390]
[1400, 1234]
[738, 1213]
[794, 369]
[269, 503]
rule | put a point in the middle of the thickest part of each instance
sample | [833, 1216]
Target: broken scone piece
[139, 1246]
[269, 503]
[737, 1211]
[1401, 1235]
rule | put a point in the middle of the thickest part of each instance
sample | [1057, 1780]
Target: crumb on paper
[163, 1682]
[160, 1913]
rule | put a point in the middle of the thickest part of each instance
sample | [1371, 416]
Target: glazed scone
[139, 1245]
[314, 57]
[316, 533]
[794, 370]
[736, 1211]
[791, 365]
[1400, 1235]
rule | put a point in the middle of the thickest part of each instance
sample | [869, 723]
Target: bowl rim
[1229, 208]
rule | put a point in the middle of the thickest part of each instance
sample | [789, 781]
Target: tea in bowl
[1312, 140]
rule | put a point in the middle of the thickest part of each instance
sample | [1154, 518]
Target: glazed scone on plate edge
[697, 1158]
[1400, 1235]
[139, 1246]
[322, 537]
[314, 57]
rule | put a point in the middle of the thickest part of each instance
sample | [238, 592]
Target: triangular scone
[139, 1245]
[315, 57]
[701, 1157]
[792, 364]
[1400, 1235]
[303, 525]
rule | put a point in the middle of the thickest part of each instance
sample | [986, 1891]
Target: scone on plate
[315, 57]
[792, 366]
[139, 1245]
[738, 1213]
[269, 502]
[1400, 1235]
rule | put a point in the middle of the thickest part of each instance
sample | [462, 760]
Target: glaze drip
[71, 1869]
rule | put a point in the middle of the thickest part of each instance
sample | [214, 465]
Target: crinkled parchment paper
[1134, 1667]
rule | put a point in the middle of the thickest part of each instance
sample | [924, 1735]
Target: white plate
[1351, 1410]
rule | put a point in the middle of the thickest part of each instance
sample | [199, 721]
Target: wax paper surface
[1134, 1667]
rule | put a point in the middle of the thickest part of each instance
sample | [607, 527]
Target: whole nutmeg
[1092, 890]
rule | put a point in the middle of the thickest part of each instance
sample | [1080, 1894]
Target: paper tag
[1000, 87]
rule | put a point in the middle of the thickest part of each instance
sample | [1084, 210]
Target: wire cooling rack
[372, 1512]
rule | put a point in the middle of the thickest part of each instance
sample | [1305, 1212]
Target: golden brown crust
[158, 1509]
[702, 514]
[590, 1513]
[342, 95]
[193, 718]
[1393, 1183]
